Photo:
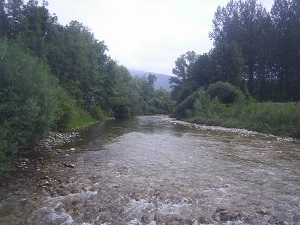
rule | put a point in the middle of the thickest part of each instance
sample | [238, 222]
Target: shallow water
[150, 171]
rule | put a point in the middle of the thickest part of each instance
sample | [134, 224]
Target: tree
[36, 24]
[181, 68]
[202, 71]
[286, 18]
[15, 17]
[79, 61]
[239, 22]
[27, 97]
[228, 62]
[4, 23]
[181, 82]
[161, 103]
[116, 81]
[151, 78]
[54, 76]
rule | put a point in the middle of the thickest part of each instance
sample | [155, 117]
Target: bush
[122, 112]
[161, 103]
[184, 109]
[224, 91]
[202, 103]
[96, 112]
[65, 110]
[281, 119]
[28, 98]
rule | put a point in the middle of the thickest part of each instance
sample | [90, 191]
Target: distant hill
[162, 80]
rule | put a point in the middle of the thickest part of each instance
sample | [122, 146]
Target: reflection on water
[150, 171]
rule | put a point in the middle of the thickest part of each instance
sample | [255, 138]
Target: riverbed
[152, 170]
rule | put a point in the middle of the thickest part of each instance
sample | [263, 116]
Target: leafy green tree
[15, 17]
[146, 86]
[239, 22]
[202, 71]
[286, 18]
[228, 62]
[36, 24]
[56, 77]
[4, 23]
[27, 97]
[161, 103]
[181, 68]
[136, 101]
[79, 61]
[116, 82]
[183, 83]
[151, 79]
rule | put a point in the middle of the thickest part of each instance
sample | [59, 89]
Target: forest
[251, 77]
[55, 78]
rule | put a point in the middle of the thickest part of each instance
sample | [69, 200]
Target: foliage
[182, 109]
[253, 49]
[65, 111]
[224, 91]
[285, 16]
[5, 160]
[269, 43]
[145, 100]
[181, 68]
[280, 119]
[255, 56]
[228, 62]
[161, 103]
[276, 118]
[28, 98]
[56, 77]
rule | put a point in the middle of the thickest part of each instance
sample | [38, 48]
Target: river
[150, 170]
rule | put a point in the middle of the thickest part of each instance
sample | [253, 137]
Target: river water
[149, 170]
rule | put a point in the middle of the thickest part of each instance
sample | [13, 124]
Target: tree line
[251, 77]
[254, 50]
[54, 77]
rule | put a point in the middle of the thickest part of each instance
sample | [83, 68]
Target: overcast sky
[147, 35]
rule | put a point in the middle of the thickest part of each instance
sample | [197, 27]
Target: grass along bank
[242, 111]
[281, 119]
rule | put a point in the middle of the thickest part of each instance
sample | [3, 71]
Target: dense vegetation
[251, 77]
[56, 77]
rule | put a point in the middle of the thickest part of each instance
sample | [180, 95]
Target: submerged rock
[68, 165]
[88, 188]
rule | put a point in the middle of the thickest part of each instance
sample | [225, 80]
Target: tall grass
[281, 119]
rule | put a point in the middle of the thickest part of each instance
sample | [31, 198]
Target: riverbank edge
[54, 139]
[239, 131]
[51, 140]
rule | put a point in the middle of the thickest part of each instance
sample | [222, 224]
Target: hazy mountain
[162, 80]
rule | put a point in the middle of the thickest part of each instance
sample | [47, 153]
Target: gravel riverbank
[242, 132]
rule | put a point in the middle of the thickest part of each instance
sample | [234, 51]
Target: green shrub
[202, 103]
[161, 104]
[281, 119]
[122, 112]
[182, 109]
[28, 100]
[28, 96]
[224, 91]
[65, 110]
[96, 112]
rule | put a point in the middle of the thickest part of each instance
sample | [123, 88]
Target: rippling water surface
[150, 171]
